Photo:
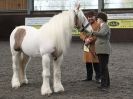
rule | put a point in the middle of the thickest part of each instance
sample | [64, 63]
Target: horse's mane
[64, 19]
[59, 29]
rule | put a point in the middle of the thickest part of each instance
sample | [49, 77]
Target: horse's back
[26, 28]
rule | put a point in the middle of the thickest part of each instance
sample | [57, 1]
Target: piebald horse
[49, 42]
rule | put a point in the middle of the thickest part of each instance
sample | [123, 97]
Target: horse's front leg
[45, 89]
[58, 87]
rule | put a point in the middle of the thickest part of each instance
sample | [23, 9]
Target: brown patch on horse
[19, 36]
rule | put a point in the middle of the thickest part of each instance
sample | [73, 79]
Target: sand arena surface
[73, 71]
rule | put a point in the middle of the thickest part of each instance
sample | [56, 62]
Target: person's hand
[88, 40]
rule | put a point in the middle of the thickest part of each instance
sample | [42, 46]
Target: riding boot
[89, 70]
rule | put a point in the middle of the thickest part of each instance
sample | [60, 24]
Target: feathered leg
[58, 87]
[45, 89]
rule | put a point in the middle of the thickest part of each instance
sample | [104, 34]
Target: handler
[89, 56]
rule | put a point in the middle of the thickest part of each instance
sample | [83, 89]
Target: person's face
[99, 20]
[91, 19]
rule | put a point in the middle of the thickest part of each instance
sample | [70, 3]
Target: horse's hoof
[16, 85]
[46, 93]
[58, 90]
[25, 82]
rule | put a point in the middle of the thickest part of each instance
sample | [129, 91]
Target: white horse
[49, 42]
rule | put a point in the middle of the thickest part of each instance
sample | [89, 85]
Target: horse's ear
[77, 5]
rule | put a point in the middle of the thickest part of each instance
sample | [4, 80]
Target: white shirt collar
[101, 24]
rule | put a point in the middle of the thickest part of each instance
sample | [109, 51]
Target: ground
[73, 71]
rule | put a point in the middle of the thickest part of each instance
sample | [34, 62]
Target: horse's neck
[59, 29]
[64, 32]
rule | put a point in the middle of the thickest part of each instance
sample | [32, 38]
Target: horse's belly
[31, 50]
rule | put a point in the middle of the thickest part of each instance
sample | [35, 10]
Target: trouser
[103, 62]
[89, 68]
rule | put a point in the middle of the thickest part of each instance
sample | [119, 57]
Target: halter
[84, 27]
[76, 22]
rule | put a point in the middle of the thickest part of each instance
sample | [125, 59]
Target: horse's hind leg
[15, 65]
[58, 87]
[24, 59]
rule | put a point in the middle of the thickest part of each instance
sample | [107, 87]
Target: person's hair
[102, 16]
[90, 14]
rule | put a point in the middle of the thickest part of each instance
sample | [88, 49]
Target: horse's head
[81, 21]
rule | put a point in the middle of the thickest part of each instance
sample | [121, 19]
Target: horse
[50, 42]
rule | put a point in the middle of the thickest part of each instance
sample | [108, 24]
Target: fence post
[100, 5]
[30, 6]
